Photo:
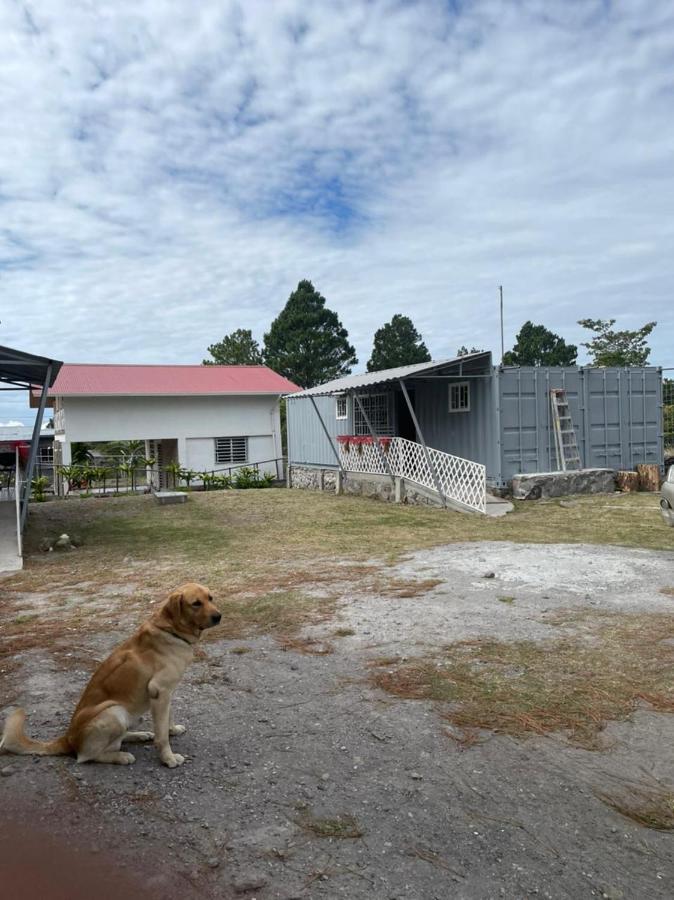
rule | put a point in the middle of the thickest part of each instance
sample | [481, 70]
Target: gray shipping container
[617, 415]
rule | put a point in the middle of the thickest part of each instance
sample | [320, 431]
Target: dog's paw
[175, 730]
[175, 759]
[144, 735]
[126, 759]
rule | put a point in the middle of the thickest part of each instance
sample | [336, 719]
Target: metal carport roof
[26, 370]
[372, 379]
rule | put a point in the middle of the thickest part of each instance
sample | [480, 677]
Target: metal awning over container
[24, 371]
[411, 450]
[460, 367]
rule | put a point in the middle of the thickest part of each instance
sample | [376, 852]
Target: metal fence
[119, 478]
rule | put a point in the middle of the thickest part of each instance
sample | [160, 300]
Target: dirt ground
[304, 780]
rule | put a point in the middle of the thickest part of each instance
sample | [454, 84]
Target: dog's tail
[14, 739]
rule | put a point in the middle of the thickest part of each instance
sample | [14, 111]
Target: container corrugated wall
[307, 443]
[470, 434]
[616, 414]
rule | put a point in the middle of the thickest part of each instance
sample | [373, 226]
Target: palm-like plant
[188, 476]
[73, 474]
[80, 454]
[39, 484]
[174, 469]
[127, 468]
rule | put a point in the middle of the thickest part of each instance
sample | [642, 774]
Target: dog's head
[191, 609]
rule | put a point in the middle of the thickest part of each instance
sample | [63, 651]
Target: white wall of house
[192, 420]
[200, 452]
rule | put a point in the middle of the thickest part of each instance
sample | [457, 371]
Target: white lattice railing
[461, 480]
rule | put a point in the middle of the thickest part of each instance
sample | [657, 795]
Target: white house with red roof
[203, 417]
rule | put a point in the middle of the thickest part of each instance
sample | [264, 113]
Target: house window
[459, 397]
[341, 407]
[231, 450]
[377, 408]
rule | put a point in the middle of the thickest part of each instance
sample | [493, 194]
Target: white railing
[461, 480]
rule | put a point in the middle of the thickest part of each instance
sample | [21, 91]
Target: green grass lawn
[232, 538]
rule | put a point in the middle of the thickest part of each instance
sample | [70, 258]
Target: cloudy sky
[170, 170]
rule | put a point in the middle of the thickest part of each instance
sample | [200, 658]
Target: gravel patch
[277, 739]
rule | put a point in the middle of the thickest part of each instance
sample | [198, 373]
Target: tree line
[308, 344]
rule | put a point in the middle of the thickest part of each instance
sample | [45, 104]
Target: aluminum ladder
[566, 444]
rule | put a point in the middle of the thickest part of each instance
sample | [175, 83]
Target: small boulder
[63, 543]
[45, 545]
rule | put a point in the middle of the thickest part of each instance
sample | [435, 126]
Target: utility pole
[500, 290]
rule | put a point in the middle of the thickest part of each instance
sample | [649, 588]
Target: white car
[667, 498]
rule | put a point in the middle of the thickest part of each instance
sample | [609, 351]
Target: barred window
[376, 408]
[341, 407]
[459, 397]
[231, 450]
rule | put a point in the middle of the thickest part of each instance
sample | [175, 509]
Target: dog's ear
[173, 606]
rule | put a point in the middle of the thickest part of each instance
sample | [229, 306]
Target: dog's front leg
[160, 706]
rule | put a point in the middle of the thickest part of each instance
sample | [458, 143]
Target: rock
[559, 484]
[213, 862]
[489, 575]
[45, 545]
[416, 776]
[249, 882]
[63, 543]
[7, 771]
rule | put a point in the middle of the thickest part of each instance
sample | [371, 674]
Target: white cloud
[169, 171]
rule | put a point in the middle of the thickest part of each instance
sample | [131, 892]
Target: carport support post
[375, 438]
[328, 435]
[417, 427]
[34, 445]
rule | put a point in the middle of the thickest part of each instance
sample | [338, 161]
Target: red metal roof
[80, 379]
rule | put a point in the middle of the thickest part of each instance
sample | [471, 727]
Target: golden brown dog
[139, 675]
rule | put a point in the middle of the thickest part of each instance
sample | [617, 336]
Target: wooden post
[627, 482]
[649, 477]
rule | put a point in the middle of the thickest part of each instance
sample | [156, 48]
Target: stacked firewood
[646, 478]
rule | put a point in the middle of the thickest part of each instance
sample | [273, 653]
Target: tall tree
[236, 349]
[617, 348]
[535, 345]
[397, 343]
[306, 341]
[464, 351]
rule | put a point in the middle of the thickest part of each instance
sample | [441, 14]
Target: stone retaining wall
[377, 487]
[312, 478]
[559, 484]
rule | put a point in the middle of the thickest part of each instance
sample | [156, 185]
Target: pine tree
[306, 342]
[236, 349]
[397, 343]
[535, 345]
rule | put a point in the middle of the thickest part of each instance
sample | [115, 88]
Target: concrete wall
[193, 421]
[200, 453]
